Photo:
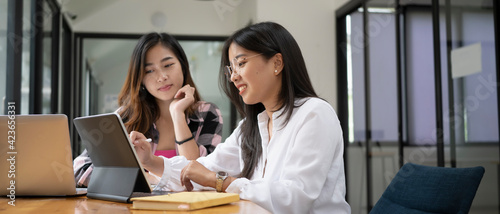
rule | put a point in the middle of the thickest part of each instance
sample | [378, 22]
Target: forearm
[182, 132]
[155, 166]
[227, 182]
[189, 150]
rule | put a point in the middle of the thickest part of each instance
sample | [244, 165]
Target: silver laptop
[118, 174]
[36, 156]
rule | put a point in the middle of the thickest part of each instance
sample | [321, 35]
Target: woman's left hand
[198, 173]
[182, 99]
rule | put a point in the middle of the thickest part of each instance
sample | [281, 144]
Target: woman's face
[163, 73]
[254, 76]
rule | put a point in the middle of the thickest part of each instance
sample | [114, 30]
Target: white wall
[176, 17]
[312, 23]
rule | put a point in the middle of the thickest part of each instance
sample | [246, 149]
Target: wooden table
[83, 204]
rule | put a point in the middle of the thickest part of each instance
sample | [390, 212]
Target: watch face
[222, 174]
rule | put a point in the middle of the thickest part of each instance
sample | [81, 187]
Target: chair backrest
[429, 189]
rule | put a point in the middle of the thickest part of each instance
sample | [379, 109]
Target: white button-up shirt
[304, 171]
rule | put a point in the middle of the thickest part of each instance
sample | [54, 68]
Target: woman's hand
[142, 147]
[196, 172]
[182, 100]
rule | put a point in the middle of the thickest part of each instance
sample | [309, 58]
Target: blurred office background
[385, 66]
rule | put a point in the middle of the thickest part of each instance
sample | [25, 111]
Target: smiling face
[256, 78]
[163, 73]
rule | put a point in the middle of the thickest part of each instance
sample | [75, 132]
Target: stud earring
[275, 71]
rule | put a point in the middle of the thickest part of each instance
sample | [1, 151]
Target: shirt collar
[278, 116]
[277, 119]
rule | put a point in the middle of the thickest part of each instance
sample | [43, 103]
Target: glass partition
[3, 52]
[26, 58]
[204, 61]
[356, 76]
[420, 76]
[47, 58]
[355, 61]
[388, 92]
[472, 59]
[383, 94]
[382, 71]
[469, 61]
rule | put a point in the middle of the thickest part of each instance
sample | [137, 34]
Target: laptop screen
[39, 151]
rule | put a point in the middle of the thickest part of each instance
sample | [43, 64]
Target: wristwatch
[221, 176]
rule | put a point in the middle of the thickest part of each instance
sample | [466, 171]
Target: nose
[234, 76]
[162, 76]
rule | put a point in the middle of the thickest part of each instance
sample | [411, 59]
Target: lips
[241, 88]
[165, 88]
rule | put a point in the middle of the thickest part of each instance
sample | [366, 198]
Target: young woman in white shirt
[286, 154]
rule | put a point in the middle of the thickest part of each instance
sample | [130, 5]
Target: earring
[275, 71]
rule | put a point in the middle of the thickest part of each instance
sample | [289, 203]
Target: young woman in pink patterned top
[159, 99]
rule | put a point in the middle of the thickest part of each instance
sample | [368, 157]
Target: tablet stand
[116, 183]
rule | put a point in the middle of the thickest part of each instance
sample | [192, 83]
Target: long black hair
[268, 38]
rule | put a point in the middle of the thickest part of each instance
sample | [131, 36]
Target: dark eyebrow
[239, 55]
[162, 60]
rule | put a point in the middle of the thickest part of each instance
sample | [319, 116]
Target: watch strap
[220, 178]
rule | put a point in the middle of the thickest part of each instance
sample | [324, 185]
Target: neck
[271, 107]
[164, 109]
[269, 114]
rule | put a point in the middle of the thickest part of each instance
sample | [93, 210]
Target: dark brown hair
[269, 39]
[139, 109]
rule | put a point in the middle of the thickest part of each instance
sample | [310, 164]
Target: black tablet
[117, 172]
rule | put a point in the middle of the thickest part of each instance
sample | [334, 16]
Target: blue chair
[429, 189]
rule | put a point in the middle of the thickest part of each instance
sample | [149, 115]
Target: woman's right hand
[197, 173]
[142, 147]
